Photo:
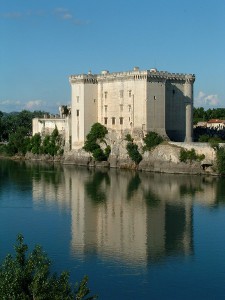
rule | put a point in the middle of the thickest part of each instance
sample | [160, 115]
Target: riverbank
[164, 158]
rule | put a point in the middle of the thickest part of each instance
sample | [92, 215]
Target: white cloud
[12, 15]
[66, 15]
[34, 104]
[17, 105]
[60, 12]
[203, 99]
[10, 102]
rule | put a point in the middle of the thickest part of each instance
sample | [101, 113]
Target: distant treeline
[10, 123]
[200, 114]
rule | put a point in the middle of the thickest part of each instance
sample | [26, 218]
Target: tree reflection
[96, 186]
[133, 185]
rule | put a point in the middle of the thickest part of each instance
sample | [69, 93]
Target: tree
[96, 135]
[28, 277]
[151, 140]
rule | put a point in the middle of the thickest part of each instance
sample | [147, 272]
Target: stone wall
[163, 158]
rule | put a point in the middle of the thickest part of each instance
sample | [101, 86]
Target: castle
[148, 100]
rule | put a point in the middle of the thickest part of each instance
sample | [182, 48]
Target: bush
[190, 155]
[128, 138]
[133, 152]
[220, 160]
[151, 140]
[97, 134]
[28, 277]
[204, 138]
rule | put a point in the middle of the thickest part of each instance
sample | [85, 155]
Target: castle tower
[188, 93]
[84, 107]
[148, 100]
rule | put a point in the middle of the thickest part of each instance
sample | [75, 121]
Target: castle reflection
[127, 216]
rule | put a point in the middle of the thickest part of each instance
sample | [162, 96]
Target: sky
[43, 42]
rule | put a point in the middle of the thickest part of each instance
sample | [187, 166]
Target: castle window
[105, 121]
[129, 93]
[106, 94]
[78, 99]
[121, 93]
[113, 120]
[106, 108]
[129, 108]
[121, 120]
[121, 107]
[77, 112]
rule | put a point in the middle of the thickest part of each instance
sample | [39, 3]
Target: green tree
[151, 140]
[35, 144]
[133, 152]
[18, 142]
[28, 277]
[96, 135]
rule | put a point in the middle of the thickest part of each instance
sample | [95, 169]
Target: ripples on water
[137, 235]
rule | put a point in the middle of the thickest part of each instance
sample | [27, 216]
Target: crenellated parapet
[83, 78]
[135, 74]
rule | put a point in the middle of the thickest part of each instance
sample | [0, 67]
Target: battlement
[135, 74]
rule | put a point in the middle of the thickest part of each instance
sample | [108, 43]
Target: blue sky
[42, 42]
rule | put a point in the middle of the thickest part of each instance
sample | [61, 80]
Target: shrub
[29, 277]
[220, 160]
[151, 140]
[204, 138]
[190, 155]
[133, 152]
[97, 134]
[128, 138]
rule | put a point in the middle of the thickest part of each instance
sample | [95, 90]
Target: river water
[136, 235]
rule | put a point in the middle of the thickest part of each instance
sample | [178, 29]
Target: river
[136, 235]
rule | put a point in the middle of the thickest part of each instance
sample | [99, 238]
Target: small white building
[62, 122]
[216, 124]
[148, 100]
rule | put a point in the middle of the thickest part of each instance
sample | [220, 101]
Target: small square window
[106, 94]
[113, 120]
[106, 108]
[129, 93]
[121, 120]
[105, 121]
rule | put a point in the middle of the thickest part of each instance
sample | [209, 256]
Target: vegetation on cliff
[151, 140]
[93, 139]
[28, 276]
[132, 149]
[190, 155]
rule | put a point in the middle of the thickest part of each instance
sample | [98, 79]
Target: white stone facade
[149, 100]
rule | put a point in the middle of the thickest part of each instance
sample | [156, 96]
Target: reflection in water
[124, 215]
